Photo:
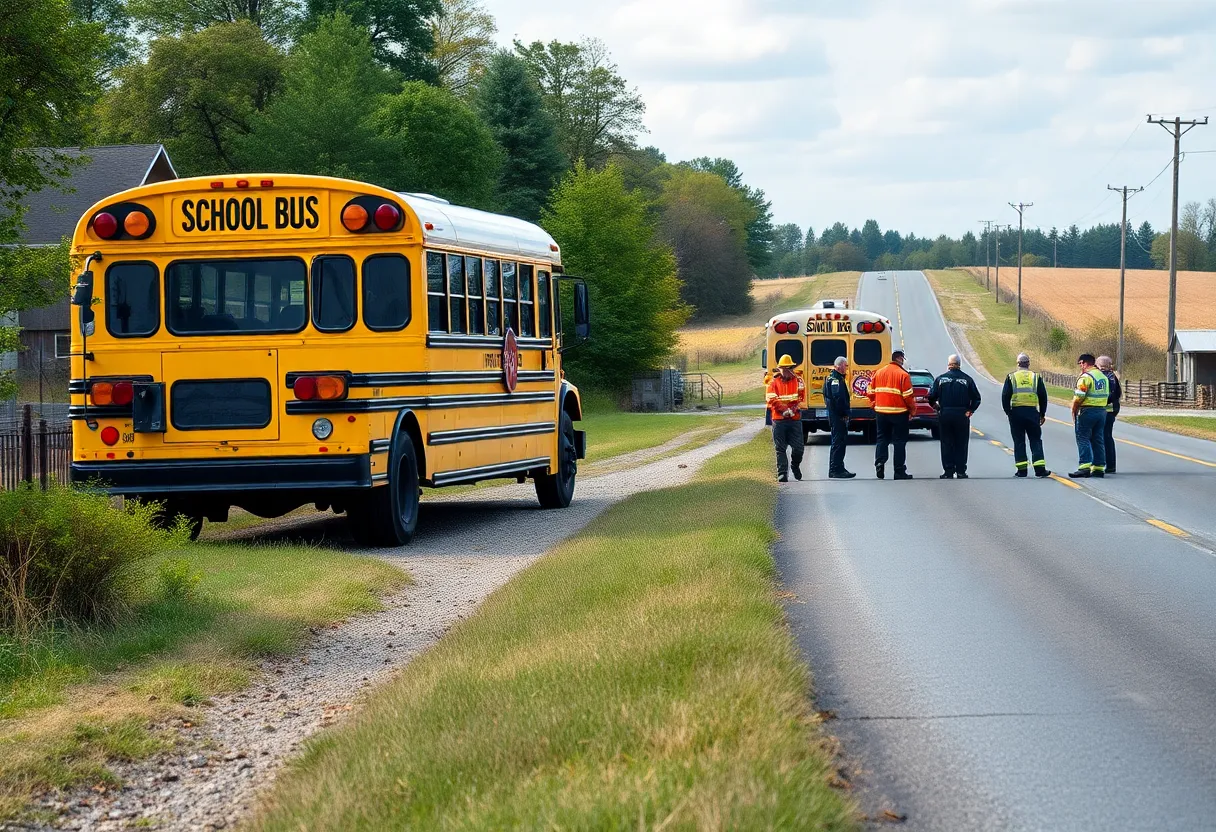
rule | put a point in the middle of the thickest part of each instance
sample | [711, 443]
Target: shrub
[1058, 340]
[67, 555]
[178, 579]
[1141, 359]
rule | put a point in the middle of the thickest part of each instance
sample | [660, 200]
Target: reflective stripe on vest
[1099, 389]
[1025, 389]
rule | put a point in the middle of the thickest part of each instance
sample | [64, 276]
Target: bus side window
[543, 298]
[493, 299]
[867, 352]
[457, 321]
[472, 271]
[436, 293]
[527, 308]
[386, 292]
[510, 302]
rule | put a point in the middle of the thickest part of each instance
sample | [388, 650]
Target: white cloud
[922, 115]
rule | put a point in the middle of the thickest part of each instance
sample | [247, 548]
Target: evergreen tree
[871, 239]
[510, 104]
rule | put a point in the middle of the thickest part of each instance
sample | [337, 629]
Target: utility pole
[1175, 127]
[1020, 207]
[987, 254]
[1122, 266]
[998, 228]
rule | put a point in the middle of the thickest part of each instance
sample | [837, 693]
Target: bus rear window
[216, 297]
[132, 300]
[825, 351]
[386, 292]
[788, 346]
[867, 352]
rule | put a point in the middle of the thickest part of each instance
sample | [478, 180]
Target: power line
[1122, 263]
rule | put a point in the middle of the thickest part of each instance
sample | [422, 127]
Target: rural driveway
[1011, 654]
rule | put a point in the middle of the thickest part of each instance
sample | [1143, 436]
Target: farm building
[1195, 353]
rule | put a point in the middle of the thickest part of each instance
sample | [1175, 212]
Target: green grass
[640, 676]
[1200, 427]
[611, 432]
[75, 699]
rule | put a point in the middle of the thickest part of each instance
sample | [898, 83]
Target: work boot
[878, 469]
[903, 476]
[797, 471]
[1041, 471]
[949, 475]
[1110, 470]
[1097, 474]
[1079, 475]
[782, 478]
[1021, 472]
[841, 475]
[962, 475]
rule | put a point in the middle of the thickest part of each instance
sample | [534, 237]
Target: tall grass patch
[639, 676]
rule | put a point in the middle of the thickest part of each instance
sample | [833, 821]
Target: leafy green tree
[838, 233]
[400, 30]
[437, 145]
[760, 229]
[844, 256]
[715, 278]
[118, 46]
[463, 37]
[1192, 253]
[596, 112]
[510, 105]
[323, 122]
[278, 19]
[199, 94]
[712, 191]
[892, 242]
[607, 238]
[872, 242]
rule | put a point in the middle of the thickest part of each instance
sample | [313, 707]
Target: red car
[925, 417]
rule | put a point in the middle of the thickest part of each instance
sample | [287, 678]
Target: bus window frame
[249, 333]
[408, 294]
[463, 297]
[801, 342]
[544, 320]
[160, 297]
[443, 263]
[355, 292]
[527, 326]
[881, 351]
[825, 340]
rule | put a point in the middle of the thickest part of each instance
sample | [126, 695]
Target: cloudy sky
[926, 115]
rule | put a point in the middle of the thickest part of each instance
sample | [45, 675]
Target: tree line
[413, 95]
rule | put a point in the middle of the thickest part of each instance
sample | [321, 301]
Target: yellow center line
[1147, 447]
[994, 442]
[1069, 483]
[1161, 524]
[977, 431]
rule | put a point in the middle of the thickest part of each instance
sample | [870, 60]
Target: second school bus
[814, 338]
[271, 341]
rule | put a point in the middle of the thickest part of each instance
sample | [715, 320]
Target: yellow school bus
[271, 341]
[814, 338]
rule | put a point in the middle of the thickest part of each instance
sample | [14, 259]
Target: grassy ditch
[74, 698]
[1200, 427]
[640, 676]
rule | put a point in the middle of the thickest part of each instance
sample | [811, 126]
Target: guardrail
[34, 452]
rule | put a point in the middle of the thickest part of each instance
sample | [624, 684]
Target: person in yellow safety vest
[1024, 398]
[784, 399]
[1089, 418]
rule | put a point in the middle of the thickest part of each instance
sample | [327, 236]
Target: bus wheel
[556, 490]
[389, 514]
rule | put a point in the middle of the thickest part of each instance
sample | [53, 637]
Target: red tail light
[865, 328]
[305, 388]
[387, 217]
[109, 435]
[122, 393]
[878, 327]
[791, 327]
[779, 327]
[105, 225]
[323, 388]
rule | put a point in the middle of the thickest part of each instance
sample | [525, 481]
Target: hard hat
[785, 361]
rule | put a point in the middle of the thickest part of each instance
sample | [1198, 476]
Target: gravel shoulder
[467, 547]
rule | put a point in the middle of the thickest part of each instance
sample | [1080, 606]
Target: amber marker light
[354, 217]
[136, 224]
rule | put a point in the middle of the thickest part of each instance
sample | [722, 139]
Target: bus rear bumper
[161, 477]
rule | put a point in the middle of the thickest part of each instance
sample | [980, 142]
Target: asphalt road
[1004, 653]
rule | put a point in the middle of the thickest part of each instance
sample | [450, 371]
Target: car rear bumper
[179, 476]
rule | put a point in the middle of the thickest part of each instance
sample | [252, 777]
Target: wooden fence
[1144, 393]
[34, 452]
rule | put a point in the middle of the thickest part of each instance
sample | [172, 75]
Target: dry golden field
[1078, 297]
[729, 347]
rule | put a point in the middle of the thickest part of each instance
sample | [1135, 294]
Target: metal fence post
[44, 453]
[27, 444]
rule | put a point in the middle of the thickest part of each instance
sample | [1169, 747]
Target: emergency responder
[1112, 408]
[955, 397]
[1089, 418]
[784, 397]
[1024, 399]
[836, 398]
[891, 394]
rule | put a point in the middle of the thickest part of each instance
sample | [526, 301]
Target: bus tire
[388, 516]
[556, 490]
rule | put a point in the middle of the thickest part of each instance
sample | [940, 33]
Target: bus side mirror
[582, 312]
[764, 358]
[82, 294]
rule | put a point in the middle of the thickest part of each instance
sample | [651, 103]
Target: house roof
[1194, 340]
[52, 214]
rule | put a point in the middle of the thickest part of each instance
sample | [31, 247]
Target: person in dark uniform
[1112, 408]
[836, 398]
[955, 397]
[1024, 399]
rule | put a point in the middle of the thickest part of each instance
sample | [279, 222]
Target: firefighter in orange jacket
[784, 399]
[891, 395]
